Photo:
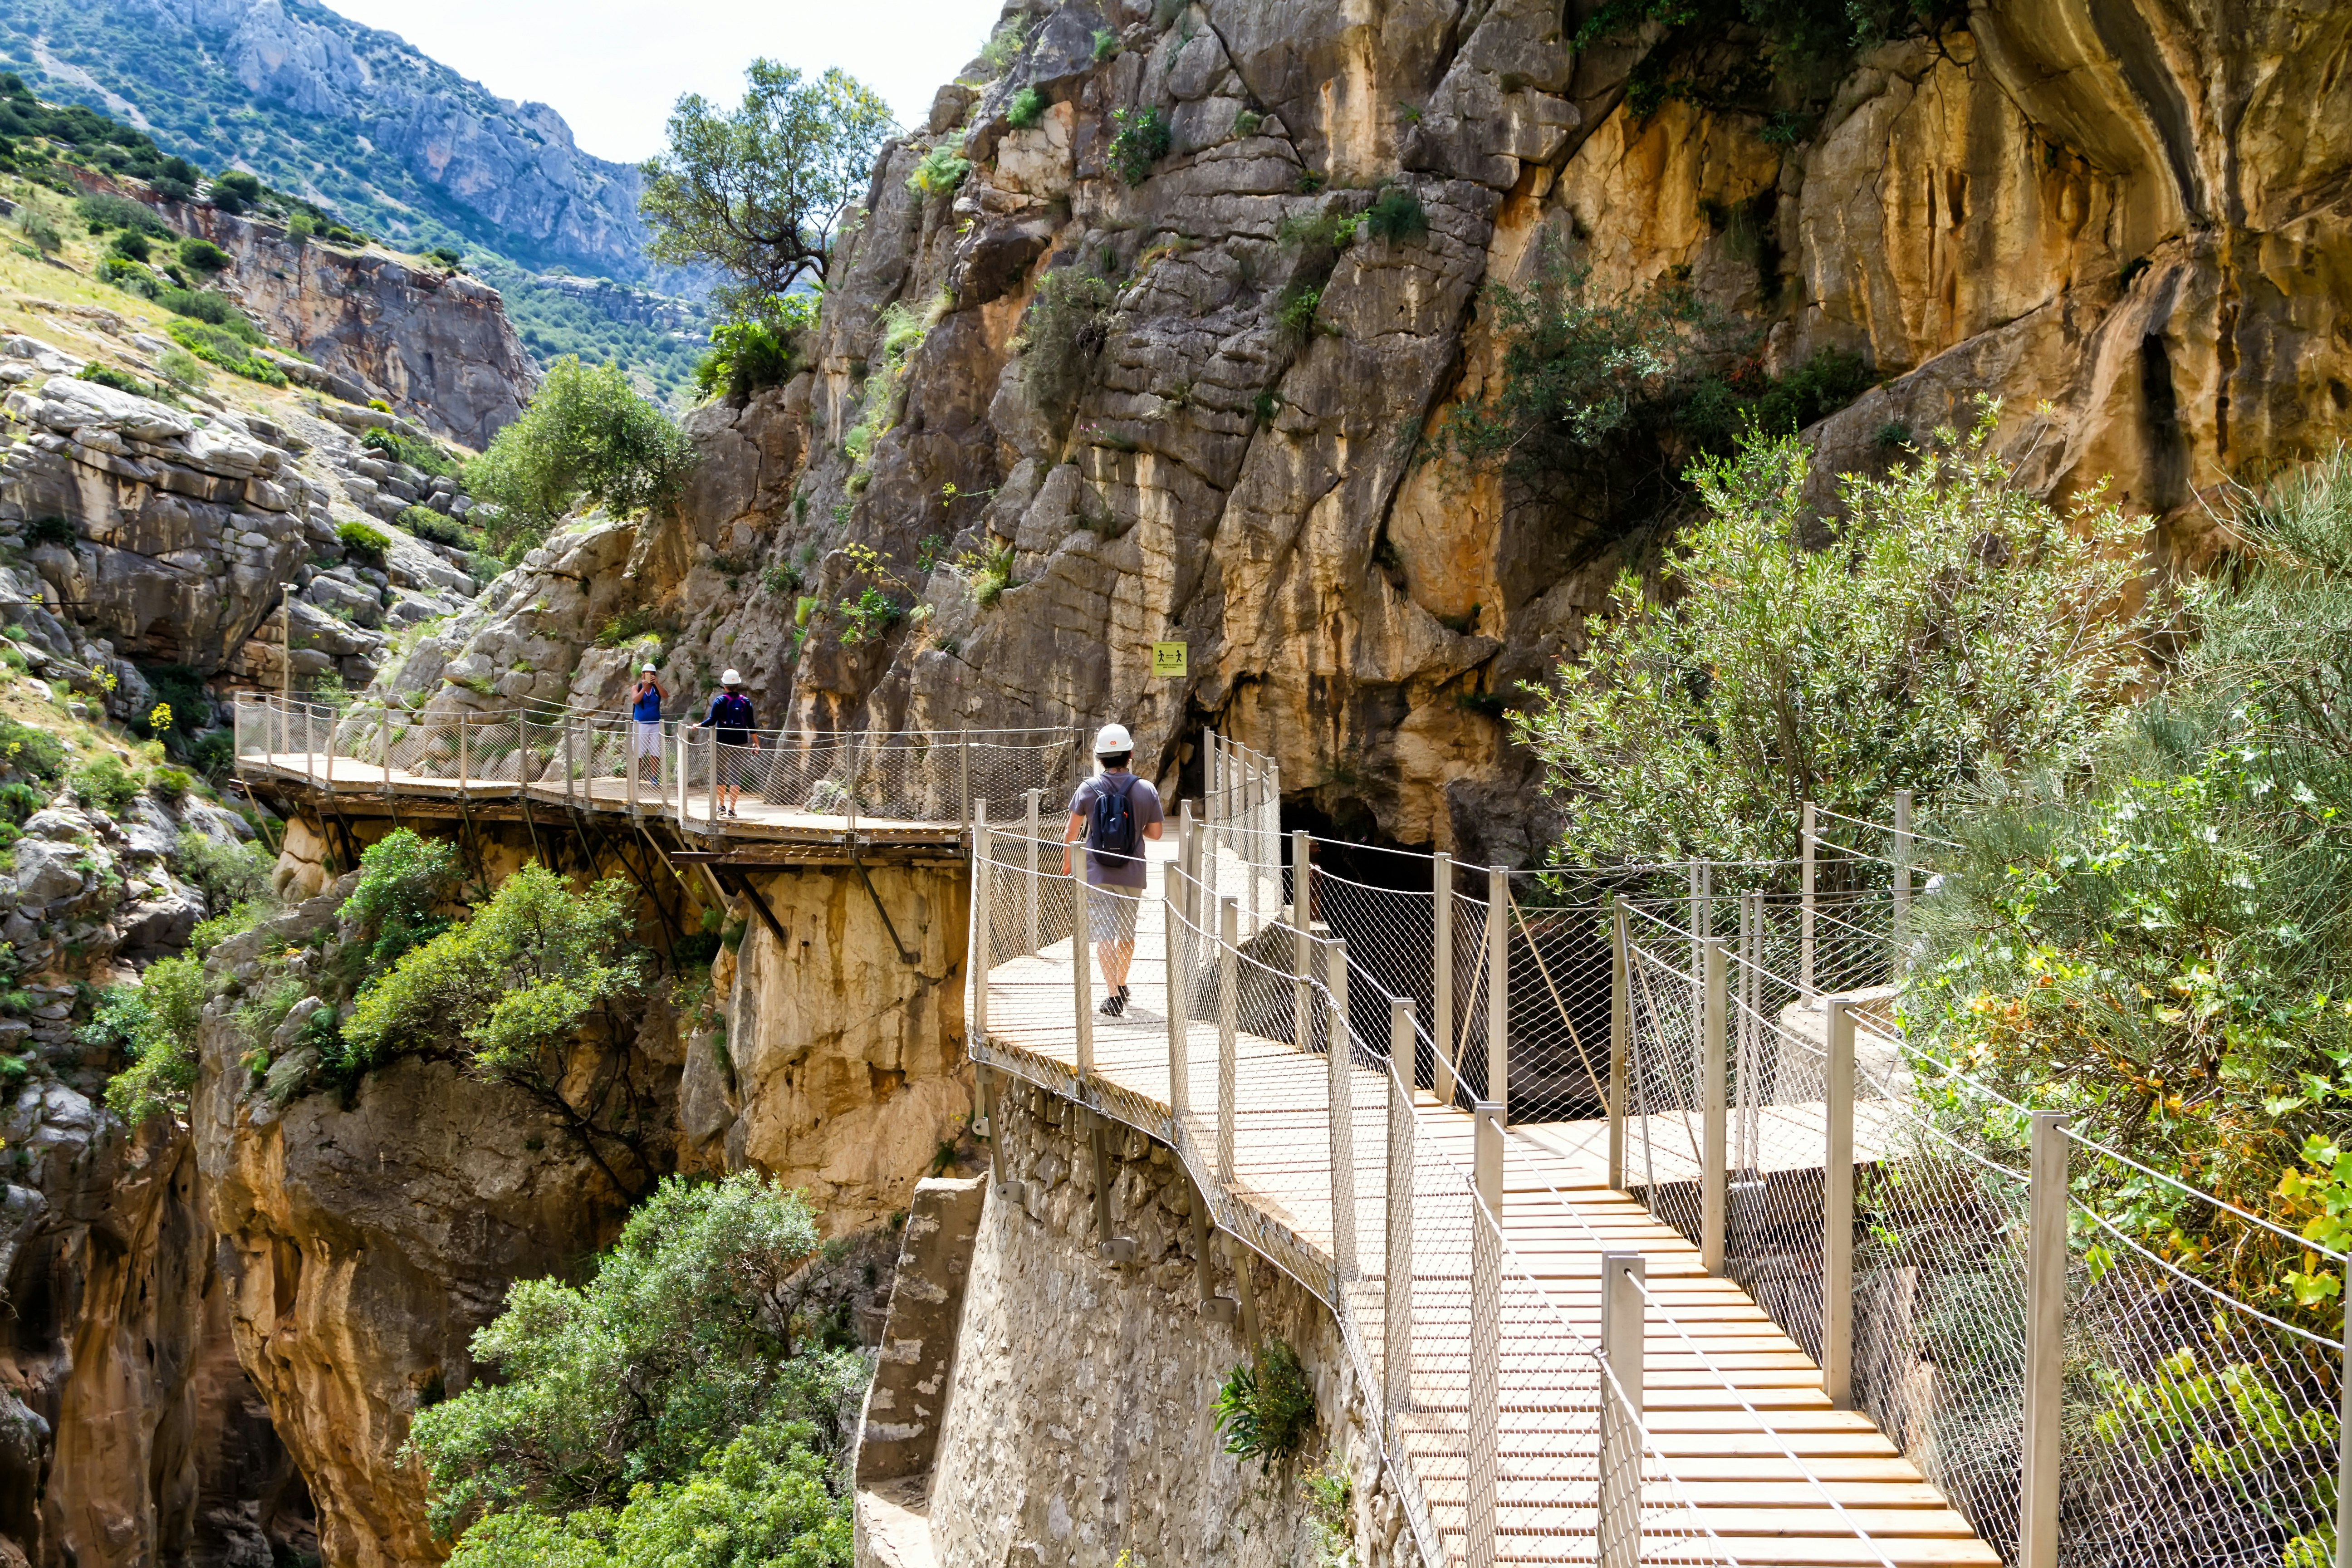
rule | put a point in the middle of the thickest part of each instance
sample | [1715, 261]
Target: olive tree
[761, 191]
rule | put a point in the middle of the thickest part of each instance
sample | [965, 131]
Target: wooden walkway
[1736, 1409]
[355, 785]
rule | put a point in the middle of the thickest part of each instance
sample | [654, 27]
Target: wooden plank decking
[1737, 1409]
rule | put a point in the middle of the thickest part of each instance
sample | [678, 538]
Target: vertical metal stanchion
[1498, 990]
[570, 760]
[1228, 1009]
[1618, 1533]
[629, 762]
[1621, 1038]
[1396, 1287]
[963, 771]
[710, 801]
[1441, 987]
[1805, 913]
[980, 954]
[1082, 976]
[1902, 858]
[1036, 939]
[1302, 955]
[2344, 1434]
[1714, 1113]
[1302, 880]
[1190, 830]
[1486, 1391]
[684, 754]
[1837, 1214]
[1253, 853]
[1341, 1102]
[1213, 778]
[2045, 1332]
[1487, 1157]
[1180, 1000]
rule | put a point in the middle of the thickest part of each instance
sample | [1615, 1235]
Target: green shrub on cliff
[153, 1024]
[511, 992]
[405, 882]
[661, 1413]
[586, 439]
[1947, 626]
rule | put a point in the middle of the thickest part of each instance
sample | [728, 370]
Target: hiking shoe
[1113, 1005]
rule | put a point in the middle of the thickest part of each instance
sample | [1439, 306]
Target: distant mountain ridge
[356, 119]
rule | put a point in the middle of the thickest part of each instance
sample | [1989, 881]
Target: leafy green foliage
[1004, 46]
[1107, 46]
[100, 210]
[438, 527]
[1026, 108]
[763, 1498]
[1267, 1408]
[226, 347]
[364, 538]
[1948, 625]
[746, 356]
[1142, 139]
[867, 616]
[1720, 406]
[121, 381]
[31, 753]
[200, 255]
[418, 452]
[404, 883]
[586, 437]
[759, 191]
[1397, 216]
[2161, 943]
[105, 784]
[685, 1337]
[227, 874]
[1066, 325]
[941, 172]
[153, 1023]
[1294, 309]
[509, 992]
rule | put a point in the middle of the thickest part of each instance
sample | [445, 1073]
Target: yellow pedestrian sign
[1168, 660]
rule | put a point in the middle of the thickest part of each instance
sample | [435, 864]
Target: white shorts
[1110, 912]
[649, 737]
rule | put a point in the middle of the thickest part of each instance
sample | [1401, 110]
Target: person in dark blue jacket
[731, 716]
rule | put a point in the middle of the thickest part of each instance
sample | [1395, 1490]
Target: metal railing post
[629, 763]
[1714, 1113]
[1396, 1284]
[1805, 912]
[963, 769]
[2046, 1332]
[981, 955]
[1837, 1214]
[1036, 939]
[1498, 990]
[1902, 858]
[1302, 958]
[1189, 829]
[1253, 856]
[1228, 1009]
[710, 801]
[2344, 1435]
[683, 754]
[1180, 1000]
[1486, 1391]
[571, 759]
[1487, 1157]
[1618, 1533]
[1441, 987]
[1341, 1102]
[1213, 780]
[1082, 973]
[1621, 1039]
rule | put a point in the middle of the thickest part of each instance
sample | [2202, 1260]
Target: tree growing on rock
[761, 191]
[587, 438]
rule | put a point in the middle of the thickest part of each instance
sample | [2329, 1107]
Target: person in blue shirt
[1115, 873]
[731, 716]
[644, 710]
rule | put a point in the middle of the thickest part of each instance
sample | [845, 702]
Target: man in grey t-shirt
[1116, 875]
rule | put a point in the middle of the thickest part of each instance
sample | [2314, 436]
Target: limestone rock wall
[2128, 222]
[1079, 1422]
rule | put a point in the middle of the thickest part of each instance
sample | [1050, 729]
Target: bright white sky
[612, 68]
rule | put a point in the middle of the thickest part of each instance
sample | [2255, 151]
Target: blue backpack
[1112, 832]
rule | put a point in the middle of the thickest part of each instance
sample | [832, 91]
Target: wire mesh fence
[692, 773]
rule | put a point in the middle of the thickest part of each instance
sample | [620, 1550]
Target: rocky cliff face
[2121, 221]
[434, 345]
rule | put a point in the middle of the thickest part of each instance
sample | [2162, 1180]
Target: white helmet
[1112, 739]
[645, 669]
[732, 677]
